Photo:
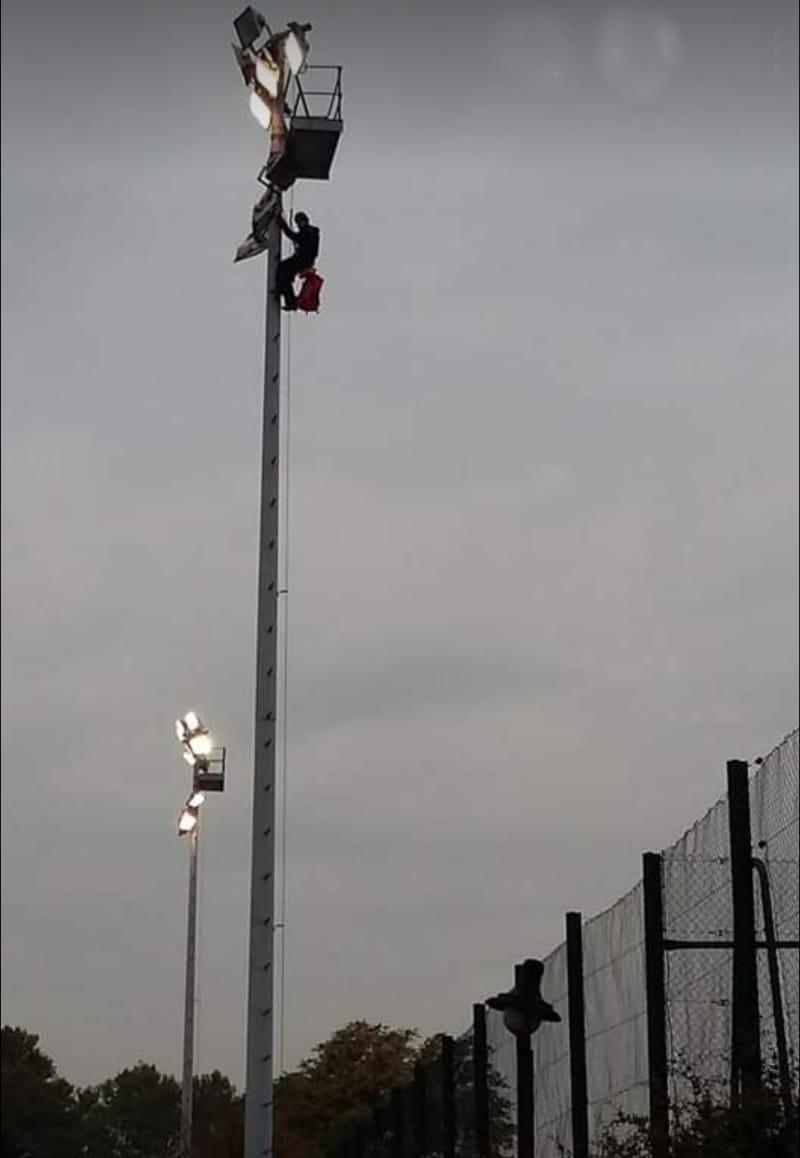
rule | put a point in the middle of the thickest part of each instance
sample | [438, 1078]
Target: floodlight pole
[258, 1124]
[188, 1008]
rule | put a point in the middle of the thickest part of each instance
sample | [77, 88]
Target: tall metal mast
[303, 141]
[259, 1080]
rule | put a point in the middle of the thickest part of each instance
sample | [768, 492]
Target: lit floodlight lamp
[206, 761]
[195, 800]
[187, 725]
[201, 744]
[295, 57]
[260, 110]
[187, 821]
[297, 47]
[197, 753]
[290, 48]
[193, 734]
[268, 75]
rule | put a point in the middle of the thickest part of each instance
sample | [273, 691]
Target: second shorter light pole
[208, 775]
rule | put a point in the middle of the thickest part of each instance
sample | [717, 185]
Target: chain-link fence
[698, 907]
[691, 991]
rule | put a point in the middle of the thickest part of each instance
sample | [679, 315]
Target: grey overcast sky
[543, 492]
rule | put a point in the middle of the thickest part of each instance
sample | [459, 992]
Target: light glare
[189, 756]
[260, 110]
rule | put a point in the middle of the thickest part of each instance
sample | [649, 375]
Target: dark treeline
[136, 1113]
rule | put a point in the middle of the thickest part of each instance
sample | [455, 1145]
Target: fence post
[655, 987]
[448, 1098]
[781, 1047]
[480, 1067]
[397, 1115]
[377, 1132]
[746, 1040]
[577, 1037]
[418, 1109]
[524, 1096]
[359, 1140]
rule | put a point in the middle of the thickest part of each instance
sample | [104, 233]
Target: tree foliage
[39, 1109]
[218, 1117]
[136, 1113]
[347, 1084]
[704, 1125]
[345, 1077]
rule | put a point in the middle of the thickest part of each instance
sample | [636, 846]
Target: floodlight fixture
[201, 744]
[267, 61]
[188, 726]
[260, 110]
[268, 75]
[295, 57]
[198, 751]
[191, 730]
[297, 47]
[187, 821]
[250, 26]
[195, 800]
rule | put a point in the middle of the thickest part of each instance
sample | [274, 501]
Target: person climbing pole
[305, 239]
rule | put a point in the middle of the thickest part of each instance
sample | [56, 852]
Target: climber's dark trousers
[288, 270]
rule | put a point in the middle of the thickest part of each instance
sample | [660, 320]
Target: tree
[39, 1118]
[345, 1077]
[353, 1073]
[218, 1118]
[133, 1115]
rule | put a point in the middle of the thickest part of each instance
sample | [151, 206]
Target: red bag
[309, 297]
